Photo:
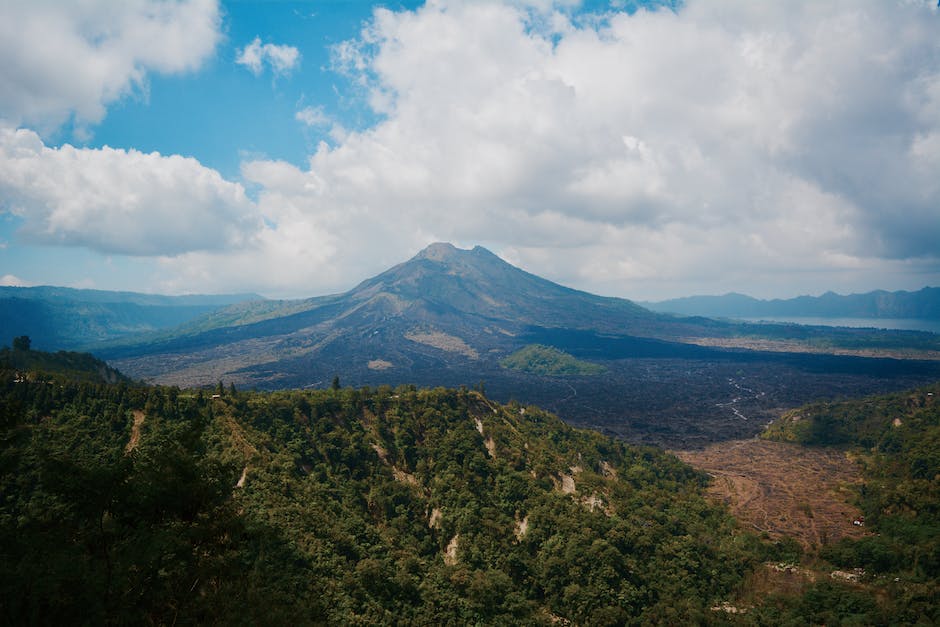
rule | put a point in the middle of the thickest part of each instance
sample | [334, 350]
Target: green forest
[122, 503]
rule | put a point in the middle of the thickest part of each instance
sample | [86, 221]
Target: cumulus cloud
[11, 280]
[63, 59]
[281, 59]
[728, 145]
[761, 147]
[120, 201]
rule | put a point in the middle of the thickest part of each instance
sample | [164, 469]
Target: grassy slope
[549, 361]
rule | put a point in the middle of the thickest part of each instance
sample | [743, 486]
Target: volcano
[443, 308]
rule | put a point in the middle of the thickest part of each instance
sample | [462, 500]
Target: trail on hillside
[139, 417]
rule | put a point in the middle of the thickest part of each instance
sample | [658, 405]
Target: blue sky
[224, 112]
[296, 148]
[196, 114]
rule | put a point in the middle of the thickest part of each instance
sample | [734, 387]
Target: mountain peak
[445, 251]
[476, 282]
[439, 251]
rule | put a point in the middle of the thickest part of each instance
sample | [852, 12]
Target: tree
[21, 343]
[335, 384]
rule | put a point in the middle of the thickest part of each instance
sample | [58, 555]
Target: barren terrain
[784, 489]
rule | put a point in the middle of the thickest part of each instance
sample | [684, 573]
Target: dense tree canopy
[124, 503]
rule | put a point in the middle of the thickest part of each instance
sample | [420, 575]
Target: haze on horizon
[646, 150]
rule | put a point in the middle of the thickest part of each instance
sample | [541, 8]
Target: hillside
[62, 365]
[923, 304]
[470, 295]
[152, 505]
[135, 504]
[896, 438]
[855, 482]
[64, 318]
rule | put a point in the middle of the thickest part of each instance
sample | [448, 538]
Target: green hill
[147, 504]
[138, 504]
[549, 361]
[66, 365]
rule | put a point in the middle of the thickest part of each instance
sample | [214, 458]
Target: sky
[646, 150]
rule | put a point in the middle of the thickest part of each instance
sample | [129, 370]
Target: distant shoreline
[898, 324]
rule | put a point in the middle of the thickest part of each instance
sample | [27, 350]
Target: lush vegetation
[65, 364]
[125, 503]
[896, 438]
[548, 361]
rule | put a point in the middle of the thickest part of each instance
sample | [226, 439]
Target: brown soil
[784, 489]
[139, 417]
[444, 342]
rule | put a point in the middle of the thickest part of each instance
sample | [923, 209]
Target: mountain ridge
[69, 294]
[67, 318]
[923, 303]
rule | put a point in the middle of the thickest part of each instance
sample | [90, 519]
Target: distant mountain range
[63, 318]
[451, 317]
[923, 304]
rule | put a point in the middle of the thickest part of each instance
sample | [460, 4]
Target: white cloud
[11, 280]
[761, 147]
[728, 145]
[63, 59]
[117, 201]
[281, 59]
[313, 116]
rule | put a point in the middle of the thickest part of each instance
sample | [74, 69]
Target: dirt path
[135, 431]
[783, 489]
